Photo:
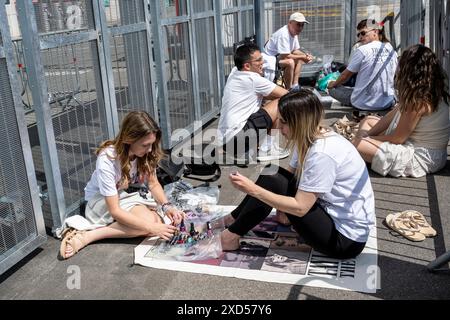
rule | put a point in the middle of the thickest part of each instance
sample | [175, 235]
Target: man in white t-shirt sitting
[243, 119]
[375, 62]
[284, 44]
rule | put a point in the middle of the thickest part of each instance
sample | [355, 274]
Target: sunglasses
[363, 33]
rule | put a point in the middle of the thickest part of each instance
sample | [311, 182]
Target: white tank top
[433, 130]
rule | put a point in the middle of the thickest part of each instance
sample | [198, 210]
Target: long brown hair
[303, 113]
[420, 80]
[135, 125]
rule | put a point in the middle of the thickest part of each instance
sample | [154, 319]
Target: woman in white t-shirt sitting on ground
[326, 193]
[132, 157]
[412, 139]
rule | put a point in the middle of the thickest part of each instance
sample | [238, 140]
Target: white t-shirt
[107, 175]
[281, 42]
[334, 169]
[382, 92]
[243, 95]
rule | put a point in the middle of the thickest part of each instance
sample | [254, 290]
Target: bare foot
[282, 218]
[229, 240]
[222, 223]
[228, 220]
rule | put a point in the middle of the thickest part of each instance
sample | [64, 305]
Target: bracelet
[164, 206]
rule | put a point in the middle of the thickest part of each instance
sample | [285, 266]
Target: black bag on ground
[169, 172]
[195, 165]
[201, 165]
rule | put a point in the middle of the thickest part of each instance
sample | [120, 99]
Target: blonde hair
[135, 125]
[303, 112]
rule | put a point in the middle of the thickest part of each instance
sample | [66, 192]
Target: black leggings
[316, 227]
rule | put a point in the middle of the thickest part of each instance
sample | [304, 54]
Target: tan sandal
[346, 128]
[402, 224]
[424, 227]
[74, 238]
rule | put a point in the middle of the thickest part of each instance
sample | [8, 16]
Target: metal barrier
[130, 53]
[88, 62]
[237, 24]
[187, 68]
[332, 24]
[21, 223]
[388, 10]
[73, 108]
[323, 36]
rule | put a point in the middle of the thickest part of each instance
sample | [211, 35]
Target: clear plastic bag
[208, 248]
[204, 195]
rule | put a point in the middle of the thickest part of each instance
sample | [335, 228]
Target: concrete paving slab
[107, 272]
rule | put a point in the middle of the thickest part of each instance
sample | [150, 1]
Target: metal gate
[87, 63]
[332, 28]
[21, 223]
[130, 50]
[238, 23]
[68, 76]
[440, 31]
[325, 35]
[186, 65]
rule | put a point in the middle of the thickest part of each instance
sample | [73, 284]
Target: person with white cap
[284, 44]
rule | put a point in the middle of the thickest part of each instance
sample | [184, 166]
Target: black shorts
[259, 122]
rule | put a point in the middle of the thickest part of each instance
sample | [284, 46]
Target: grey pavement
[107, 270]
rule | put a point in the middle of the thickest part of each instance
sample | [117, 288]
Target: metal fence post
[194, 65]
[259, 18]
[22, 172]
[107, 77]
[349, 27]
[39, 91]
[219, 46]
[151, 58]
[161, 92]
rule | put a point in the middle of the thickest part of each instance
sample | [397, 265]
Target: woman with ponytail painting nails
[326, 192]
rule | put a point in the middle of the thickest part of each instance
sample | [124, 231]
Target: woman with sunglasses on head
[112, 210]
[326, 192]
[412, 139]
[375, 62]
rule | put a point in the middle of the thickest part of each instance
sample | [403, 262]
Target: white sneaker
[275, 153]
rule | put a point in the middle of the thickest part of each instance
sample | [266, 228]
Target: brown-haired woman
[132, 157]
[412, 139]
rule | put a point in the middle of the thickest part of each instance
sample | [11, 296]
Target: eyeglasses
[363, 33]
[256, 60]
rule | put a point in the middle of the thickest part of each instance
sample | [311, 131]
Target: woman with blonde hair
[326, 192]
[114, 210]
[412, 139]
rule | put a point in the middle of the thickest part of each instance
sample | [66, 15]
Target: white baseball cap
[298, 16]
